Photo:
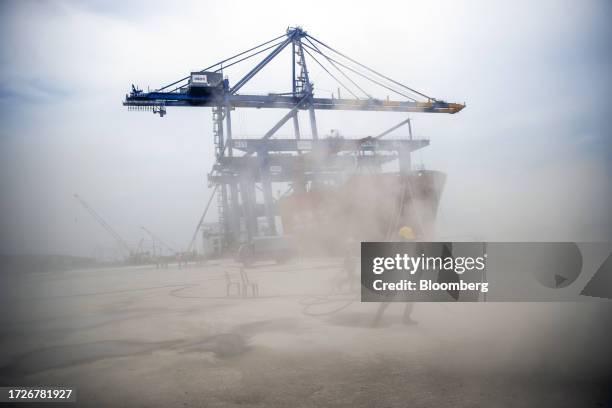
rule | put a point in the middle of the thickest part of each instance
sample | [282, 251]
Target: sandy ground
[151, 337]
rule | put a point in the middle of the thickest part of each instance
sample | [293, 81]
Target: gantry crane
[236, 176]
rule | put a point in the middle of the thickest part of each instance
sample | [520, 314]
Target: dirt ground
[150, 337]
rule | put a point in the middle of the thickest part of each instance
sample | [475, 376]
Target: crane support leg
[224, 216]
[313, 123]
[234, 218]
[267, 191]
[247, 196]
[296, 126]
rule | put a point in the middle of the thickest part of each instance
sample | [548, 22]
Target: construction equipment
[298, 161]
[158, 240]
[123, 246]
[131, 257]
[279, 249]
[190, 247]
[160, 259]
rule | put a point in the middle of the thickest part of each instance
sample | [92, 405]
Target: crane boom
[195, 233]
[122, 244]
[154, 237]
[207, 88]
[154, 99]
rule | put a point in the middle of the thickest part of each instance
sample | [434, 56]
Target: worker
[405, 234]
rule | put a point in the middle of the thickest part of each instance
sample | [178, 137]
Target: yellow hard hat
[406, 233]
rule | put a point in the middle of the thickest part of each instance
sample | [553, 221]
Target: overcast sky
[529, 158]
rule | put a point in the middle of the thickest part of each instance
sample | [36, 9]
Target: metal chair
[229, 284]
[246, 284]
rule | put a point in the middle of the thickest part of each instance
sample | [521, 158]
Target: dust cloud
[527, 160]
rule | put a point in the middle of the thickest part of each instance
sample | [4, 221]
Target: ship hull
[367, 207]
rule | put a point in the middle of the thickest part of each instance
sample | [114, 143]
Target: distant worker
[405, 234]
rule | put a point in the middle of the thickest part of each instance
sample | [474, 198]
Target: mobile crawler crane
[130, 257]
